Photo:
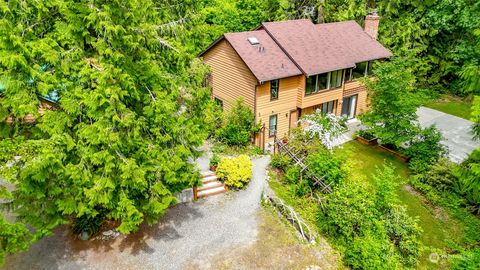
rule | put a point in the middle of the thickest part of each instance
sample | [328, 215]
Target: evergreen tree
[129, 114]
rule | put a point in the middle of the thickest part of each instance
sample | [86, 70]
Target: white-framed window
[272, 125]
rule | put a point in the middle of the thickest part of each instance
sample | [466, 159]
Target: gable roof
[266, 60]
[299, 46]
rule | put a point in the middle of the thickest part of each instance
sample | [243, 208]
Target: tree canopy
[130, 110]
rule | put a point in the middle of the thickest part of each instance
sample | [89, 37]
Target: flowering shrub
[327, 127]
[236, 172]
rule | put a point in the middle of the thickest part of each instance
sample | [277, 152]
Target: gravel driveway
[188, 232]
[455, 130]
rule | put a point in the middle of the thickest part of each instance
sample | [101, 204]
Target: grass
[440, 231]
[457, 106]
[444, 229]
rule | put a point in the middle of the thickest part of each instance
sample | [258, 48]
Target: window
[272, 127]
[322, 81]
[360, 70]
[327, 107]
[348, 74]
[336, 78]
[219, 102]
[274, 86]
[311, 85]
[369, 67]
[316, 83]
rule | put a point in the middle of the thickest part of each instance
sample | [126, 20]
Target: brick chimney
[371, 24]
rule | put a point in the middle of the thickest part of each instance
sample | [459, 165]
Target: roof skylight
[253, 40]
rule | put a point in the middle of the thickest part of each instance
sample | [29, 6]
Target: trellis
[298, 156]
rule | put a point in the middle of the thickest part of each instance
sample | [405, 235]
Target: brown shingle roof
[266, 60]
[299, 46]
[325, 47]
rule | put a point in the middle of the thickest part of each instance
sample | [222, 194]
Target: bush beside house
[238, 125]
[235, 172]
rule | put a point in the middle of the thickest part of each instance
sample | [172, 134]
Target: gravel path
[188, 232]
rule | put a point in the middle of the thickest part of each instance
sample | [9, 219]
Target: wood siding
[282, 107]
[231, 77]
[357, 88]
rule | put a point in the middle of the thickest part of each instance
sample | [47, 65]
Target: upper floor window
[323, 81]
[336, 78]
[360, 70]
[348, 75]
[274, 87]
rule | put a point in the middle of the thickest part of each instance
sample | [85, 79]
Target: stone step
[210, 192]
[210, 185]
[207, 173]
[210, 178]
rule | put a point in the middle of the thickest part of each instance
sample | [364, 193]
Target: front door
[293, 120]
[349, 106]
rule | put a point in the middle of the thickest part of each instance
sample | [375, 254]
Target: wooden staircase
[210, 185]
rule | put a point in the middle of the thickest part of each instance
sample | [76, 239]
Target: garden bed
[365, 141]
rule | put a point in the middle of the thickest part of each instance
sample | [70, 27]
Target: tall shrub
[238, 125]
[393, 103]
[425, 149]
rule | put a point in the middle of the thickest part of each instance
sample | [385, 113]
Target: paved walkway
[455, 130]
[187, 233]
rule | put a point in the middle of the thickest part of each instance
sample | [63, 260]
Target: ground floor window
[219, 102]
[328, 107]
[272, 127]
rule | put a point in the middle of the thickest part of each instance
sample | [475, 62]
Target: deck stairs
[210, 185]
[298, 156]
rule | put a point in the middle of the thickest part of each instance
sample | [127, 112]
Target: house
[287, 69]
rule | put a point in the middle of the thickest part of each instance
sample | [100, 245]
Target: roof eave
[211, 45]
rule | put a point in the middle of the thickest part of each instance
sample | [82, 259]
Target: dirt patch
[277, 247]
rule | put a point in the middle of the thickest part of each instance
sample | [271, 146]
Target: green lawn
[443, 229]
[452, 105]
[439, 230]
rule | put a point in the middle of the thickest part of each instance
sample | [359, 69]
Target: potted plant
[214, 162]
[365, 136]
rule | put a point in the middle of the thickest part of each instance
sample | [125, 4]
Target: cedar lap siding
[290, 55]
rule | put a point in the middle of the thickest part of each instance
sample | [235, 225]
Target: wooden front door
[293, 120]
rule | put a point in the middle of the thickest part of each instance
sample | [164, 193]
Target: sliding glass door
[349, 106]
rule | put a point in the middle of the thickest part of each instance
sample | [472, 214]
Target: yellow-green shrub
[236, 172]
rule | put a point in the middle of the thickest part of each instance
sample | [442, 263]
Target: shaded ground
[455, 130]
[277, 247]
[187, 232]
